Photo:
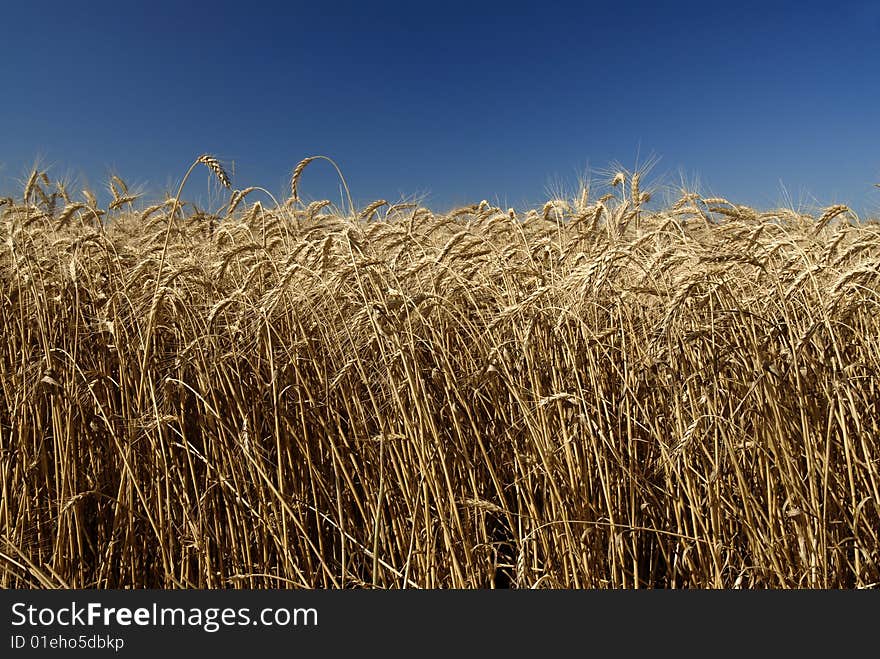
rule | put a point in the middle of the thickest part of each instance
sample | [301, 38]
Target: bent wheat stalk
[297, 174]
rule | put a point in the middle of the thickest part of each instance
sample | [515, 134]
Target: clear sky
[763, 103]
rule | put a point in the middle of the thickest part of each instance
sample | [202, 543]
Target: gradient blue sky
[764, 103]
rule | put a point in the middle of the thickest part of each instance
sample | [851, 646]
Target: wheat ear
[297, 173]
[215, 166]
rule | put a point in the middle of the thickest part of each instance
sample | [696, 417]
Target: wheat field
[596, 393]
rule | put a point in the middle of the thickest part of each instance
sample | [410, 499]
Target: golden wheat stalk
[368, 212]
[121, 201]
[215, 166]
[829, 214]
[297, 173]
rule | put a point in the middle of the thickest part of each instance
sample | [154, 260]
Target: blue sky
[764, 103]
